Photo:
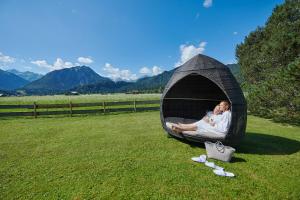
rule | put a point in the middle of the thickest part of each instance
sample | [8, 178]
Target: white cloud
[117, 74]
[235, 33]
[85, 60]
[5, 60]
[41, 63]
[58, 64]
[189, 51]
[145, 71]
[155, 70]
[207, 3]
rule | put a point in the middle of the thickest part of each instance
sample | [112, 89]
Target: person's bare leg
[189, 127]
[184, 127]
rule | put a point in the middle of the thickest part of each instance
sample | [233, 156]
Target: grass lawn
[128, 156]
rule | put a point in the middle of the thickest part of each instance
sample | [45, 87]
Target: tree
[269, 59]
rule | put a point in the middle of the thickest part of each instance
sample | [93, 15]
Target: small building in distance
[72, 93]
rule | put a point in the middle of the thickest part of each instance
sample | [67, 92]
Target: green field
[128, 156]
[64, 99]
[89, 98]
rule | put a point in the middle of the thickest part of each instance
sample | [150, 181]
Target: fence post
[71, 111]
[134, 105]
[103, 105]
[34, 107]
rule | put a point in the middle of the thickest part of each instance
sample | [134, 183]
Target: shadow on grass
[235, 159]
[262, 144]
[294, 122]
[258, 143]
[283, 119]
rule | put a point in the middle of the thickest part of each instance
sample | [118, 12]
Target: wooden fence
[71, 108]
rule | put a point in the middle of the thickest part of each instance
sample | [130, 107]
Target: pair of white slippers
[217, 169]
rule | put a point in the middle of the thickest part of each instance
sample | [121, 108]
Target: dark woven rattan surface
[196, 87]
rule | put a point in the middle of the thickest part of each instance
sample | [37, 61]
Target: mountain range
[59, 81]
[10, 81]
[29, 76]
[145, 84]
[84, 80]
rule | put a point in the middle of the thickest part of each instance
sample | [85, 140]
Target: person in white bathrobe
[213, 122]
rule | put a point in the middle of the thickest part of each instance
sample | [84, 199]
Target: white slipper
[200, 159]
[223, 173]
[213, 165]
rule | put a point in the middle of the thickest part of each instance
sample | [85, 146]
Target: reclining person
[212, 116]
[215, 123]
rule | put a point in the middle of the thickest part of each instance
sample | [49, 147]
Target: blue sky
[124, 39]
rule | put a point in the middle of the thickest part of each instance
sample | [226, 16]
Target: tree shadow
[283, 120]
[262, 144]
[235, 159]
[287, 121]
[257, 143]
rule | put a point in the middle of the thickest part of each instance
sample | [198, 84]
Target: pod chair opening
[192, 97]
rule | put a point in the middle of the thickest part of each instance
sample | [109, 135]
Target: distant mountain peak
[27, 75]
[65, 79]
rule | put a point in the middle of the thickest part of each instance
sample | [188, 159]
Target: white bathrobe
[222, 124]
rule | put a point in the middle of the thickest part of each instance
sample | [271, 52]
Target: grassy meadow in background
[88, 98]
[129, 156]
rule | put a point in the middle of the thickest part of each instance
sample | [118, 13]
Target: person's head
[217, 110]
[224, 106]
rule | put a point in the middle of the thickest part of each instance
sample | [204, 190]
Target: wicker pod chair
[197, 87]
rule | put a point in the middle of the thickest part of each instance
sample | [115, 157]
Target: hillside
[61, 80]
[152, 84]
[102, 87]
[146, 84]
[10, 81]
